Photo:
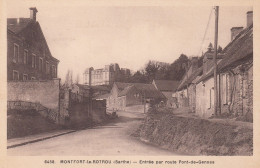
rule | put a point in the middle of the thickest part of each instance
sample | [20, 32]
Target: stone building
[167, 88]
[104, 76]
[235, 77]
[124, 95]
[28, 54]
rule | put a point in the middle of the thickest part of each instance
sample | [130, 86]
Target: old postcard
[129, 84]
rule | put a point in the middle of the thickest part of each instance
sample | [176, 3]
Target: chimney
[33, 12]
[235, 31]
[194, 63]
[249, 18]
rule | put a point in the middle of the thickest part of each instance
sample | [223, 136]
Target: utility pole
[215, 61]
[144, 101]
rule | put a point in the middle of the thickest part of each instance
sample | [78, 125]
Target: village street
[111, 139]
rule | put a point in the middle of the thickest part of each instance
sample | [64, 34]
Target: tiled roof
[190, 79]
[15, 27]
[237, 51]
[122, 86]
[148, 90]
[166, 85]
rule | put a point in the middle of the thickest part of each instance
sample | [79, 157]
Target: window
[40, 64]
[33, 60]
[15, 75]
[25, 57]
[16, 53]
[47, 67]
[210, 97]
[25, 77]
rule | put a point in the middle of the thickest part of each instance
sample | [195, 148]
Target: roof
[236, 52]
[122, 86]
[82, 86]
[148, 90]
[15, 27]
[104, 96]
[190, 79]
[166, 85]
[101, 87]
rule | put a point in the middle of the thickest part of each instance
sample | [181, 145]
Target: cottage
[235, 77]
[130, 94]
[186, 90]
[167, 88]
[28, 54]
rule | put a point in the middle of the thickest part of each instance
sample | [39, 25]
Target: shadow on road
[122, 119]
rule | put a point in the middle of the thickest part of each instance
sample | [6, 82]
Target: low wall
[43, 96]
[50, 114]
[196, 136]
[44, 92]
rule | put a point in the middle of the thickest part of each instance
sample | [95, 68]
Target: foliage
[160, 71]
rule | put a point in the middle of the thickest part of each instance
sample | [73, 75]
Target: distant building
[104, 76]
[123, 95]
[167, 88]
[28, 54]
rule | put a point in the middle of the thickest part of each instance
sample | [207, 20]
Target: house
[186, 91]
[28, 54]
[167, 88]
[235, 77]
[130, 94]
[89, 91]
[79, 89]
[99, 90]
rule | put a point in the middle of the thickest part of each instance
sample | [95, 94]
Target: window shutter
[208, 98]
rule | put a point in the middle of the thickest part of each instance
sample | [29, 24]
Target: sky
[82, 35]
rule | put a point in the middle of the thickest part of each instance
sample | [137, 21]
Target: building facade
[124, 95]
[28, 54]
[104, 76]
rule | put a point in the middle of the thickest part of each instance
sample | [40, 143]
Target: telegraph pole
[215, 61]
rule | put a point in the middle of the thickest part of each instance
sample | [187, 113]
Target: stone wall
[50, 114]
[240, 91]
[43, 96]
[77, 111]
[44, 92]
[188, 135]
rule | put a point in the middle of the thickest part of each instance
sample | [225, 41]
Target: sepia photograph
[137, 80]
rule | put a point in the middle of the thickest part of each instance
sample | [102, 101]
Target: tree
[68, 81]
[77, 79]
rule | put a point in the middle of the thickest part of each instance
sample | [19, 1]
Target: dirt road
[113, 138]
